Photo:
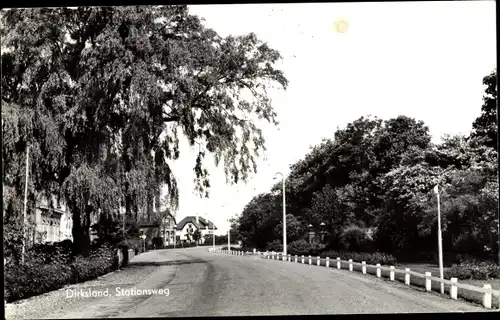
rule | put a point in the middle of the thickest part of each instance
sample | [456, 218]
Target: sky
[425, 60]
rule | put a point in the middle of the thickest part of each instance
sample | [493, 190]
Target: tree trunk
[81, 239]
[149, 204]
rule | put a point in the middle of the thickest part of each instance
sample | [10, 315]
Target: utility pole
[284, 213]
[25, 204]
[440, 240]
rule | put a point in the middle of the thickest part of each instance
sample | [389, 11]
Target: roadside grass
[416, 282]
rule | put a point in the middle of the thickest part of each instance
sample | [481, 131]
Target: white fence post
[428, 284]
[338, 263]
[302, 259]
[454, 289]
[363, 267]
[327, 262]
[289, 258]
[350, 265]
[487, 297]
[296, 257]
[407, 276]
[379, 272]
[318, 261]
[392, 273]
[310, 260]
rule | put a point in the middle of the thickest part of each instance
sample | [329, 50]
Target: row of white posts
[486, 290]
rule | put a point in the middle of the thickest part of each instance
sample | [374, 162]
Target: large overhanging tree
[113, 90]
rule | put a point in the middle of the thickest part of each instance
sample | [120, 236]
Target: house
[187, 226]
[162, 227]
[53, 222]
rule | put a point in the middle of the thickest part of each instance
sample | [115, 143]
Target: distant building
[187, 226]
[53, 222]
[163, 228]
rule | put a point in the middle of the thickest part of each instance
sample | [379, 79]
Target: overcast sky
[420, 59]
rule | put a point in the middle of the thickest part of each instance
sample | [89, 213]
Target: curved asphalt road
[213, 284]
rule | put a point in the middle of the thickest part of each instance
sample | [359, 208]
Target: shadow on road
[165, 263]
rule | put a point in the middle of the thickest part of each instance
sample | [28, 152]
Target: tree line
[372, 185]
[102, 97]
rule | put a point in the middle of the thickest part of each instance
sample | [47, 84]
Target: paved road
[200, 283]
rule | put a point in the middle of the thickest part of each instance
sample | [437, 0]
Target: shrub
[56, 252]
[299, 247]
[355, 239]
[36, 276]
[316, 249]
[370, 258]
[97, 264]
[274, 246]
[135, 244]
[474, 270]
[236, 249]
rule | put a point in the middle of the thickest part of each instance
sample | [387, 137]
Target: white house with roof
[187, 226]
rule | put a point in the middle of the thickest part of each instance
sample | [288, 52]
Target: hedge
[36, 277]
[370, 258]
[474, 270]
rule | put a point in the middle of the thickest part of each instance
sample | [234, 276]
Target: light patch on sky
[420, 59]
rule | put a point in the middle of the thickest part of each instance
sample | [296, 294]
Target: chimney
[197, 221]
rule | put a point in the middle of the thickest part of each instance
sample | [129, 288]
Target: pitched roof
[155, 219]
[192, 219]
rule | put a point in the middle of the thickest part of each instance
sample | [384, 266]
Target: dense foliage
[372, 186]
[38, 275]
[103, 96]
[474, 270]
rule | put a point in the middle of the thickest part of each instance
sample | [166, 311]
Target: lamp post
[311, 233]
[440, 240]
[322, 232]
[284, 212]
[229, 235]
[143, 237]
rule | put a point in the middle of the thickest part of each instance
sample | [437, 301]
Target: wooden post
[487, 297]
[454, 289]
[296, 257]
[302, 258]
[428, 284]
[392, 273]
[379, 271]
[327, 262]
[363, 267]
[310, 260]
[318, 261]
[338, 263]
[407, 276]
[350, 265]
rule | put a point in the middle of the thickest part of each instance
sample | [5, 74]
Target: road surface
[201, 283]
